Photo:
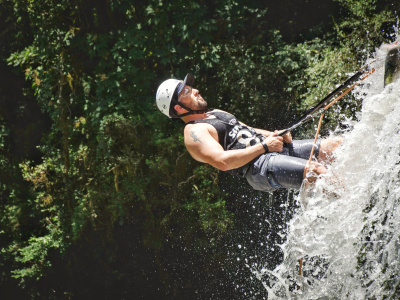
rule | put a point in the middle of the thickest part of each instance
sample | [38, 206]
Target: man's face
[191, 98]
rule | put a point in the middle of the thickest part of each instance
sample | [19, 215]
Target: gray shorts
[285, 169]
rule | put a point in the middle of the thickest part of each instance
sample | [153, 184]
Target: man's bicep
[202, 146]
[196, 137]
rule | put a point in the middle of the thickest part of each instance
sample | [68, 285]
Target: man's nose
[195, 92]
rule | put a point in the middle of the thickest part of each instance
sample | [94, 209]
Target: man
[266, 160]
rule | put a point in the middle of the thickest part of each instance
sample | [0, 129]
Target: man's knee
[328, 146]
[312, 171]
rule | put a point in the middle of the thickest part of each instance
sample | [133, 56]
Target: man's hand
[287, 138]
[274, 143]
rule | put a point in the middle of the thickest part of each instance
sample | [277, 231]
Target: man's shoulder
[197, 126]
[203, 129]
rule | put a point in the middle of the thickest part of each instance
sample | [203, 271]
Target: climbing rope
[328, 106]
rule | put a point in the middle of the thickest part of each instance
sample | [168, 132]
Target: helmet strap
[191, 111]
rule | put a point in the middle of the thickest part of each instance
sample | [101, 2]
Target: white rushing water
[347, 231]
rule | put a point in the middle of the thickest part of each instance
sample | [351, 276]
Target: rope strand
[326, 108]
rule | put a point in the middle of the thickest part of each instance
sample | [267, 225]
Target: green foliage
[35, 254]
[4, 132]
[356, 32]
[210, 203]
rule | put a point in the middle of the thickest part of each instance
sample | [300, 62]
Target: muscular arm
[200, 141]
[264, 132]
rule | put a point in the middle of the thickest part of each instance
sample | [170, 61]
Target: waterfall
[347, 229]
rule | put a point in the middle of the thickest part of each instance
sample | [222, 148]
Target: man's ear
[178, 108]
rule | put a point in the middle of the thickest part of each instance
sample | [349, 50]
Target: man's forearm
[233, 159]
[263, 132]
[287, 138]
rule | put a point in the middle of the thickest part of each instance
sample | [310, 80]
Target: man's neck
[194, 117]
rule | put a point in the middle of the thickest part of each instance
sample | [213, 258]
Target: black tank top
[232, 134]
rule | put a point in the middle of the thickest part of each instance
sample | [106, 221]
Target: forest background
[98, 197]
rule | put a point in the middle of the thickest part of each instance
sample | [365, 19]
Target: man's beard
[201, 103]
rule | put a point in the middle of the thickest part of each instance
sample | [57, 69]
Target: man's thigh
[288, 171]
[302, 148]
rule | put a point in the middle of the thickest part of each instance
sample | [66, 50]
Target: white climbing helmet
[167, 95]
